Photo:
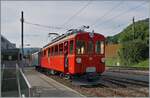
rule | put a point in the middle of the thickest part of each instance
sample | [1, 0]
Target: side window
[66, 47]
[71, 46]
[52, 51]
[90, 47]
[60, 48]
[44, 52]
[48, 52]
[56, 49]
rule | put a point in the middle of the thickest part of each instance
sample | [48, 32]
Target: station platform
[44, 86]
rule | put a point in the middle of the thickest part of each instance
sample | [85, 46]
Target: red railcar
[75, 53]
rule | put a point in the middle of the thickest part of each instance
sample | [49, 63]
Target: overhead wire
[44, 26]
[108, 12]
[115, 29]
[56, 27]
[77, 13]
[123, 13]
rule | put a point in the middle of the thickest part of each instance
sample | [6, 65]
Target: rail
[128, 67]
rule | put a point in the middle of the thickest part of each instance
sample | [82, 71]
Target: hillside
[141, 32]
[134, 46]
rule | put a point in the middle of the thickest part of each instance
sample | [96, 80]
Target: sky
[104, 17]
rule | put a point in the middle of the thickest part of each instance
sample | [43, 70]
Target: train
[74, 54]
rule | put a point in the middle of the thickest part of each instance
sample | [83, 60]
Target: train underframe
[90, 76]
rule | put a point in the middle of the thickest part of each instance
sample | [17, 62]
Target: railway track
[108, 86]
[127, 81]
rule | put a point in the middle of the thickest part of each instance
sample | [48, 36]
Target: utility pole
[22, 20]
[133, 28]
[22, 56]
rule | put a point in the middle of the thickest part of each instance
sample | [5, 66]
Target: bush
[133, 52]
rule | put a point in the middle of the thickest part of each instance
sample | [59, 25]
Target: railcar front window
[80, 47]
[90, 47]
[99, 48]
[102, 47]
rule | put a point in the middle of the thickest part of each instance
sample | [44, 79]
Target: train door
[66, 56]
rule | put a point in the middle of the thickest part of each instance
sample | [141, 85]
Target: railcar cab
[89, 53]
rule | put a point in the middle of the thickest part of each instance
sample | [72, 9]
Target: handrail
[18, 80]
[19, 70]
[28, 84]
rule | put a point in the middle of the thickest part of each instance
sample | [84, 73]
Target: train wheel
[47, 72]
[67, 76]
[61, 75]
[53, 72]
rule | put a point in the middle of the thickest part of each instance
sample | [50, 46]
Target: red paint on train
[77, 53]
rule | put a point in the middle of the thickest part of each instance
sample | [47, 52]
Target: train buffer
[44, 86]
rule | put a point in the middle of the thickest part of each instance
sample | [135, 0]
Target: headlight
[78, 60]
[103, 60]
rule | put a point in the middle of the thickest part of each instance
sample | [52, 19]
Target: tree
[133, 52]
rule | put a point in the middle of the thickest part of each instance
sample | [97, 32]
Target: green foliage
[141, 32]
[144, 64]
[112, 39]
[135, 45]
[133, 52]
[111, 61]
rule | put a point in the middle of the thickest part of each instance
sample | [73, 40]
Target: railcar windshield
[90, 47]
[80, 47]
[99, 47]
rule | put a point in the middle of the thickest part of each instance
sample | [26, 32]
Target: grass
[113, 62]
[144, 64]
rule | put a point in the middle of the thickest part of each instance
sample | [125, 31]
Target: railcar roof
[60, 38]
[64, 37]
